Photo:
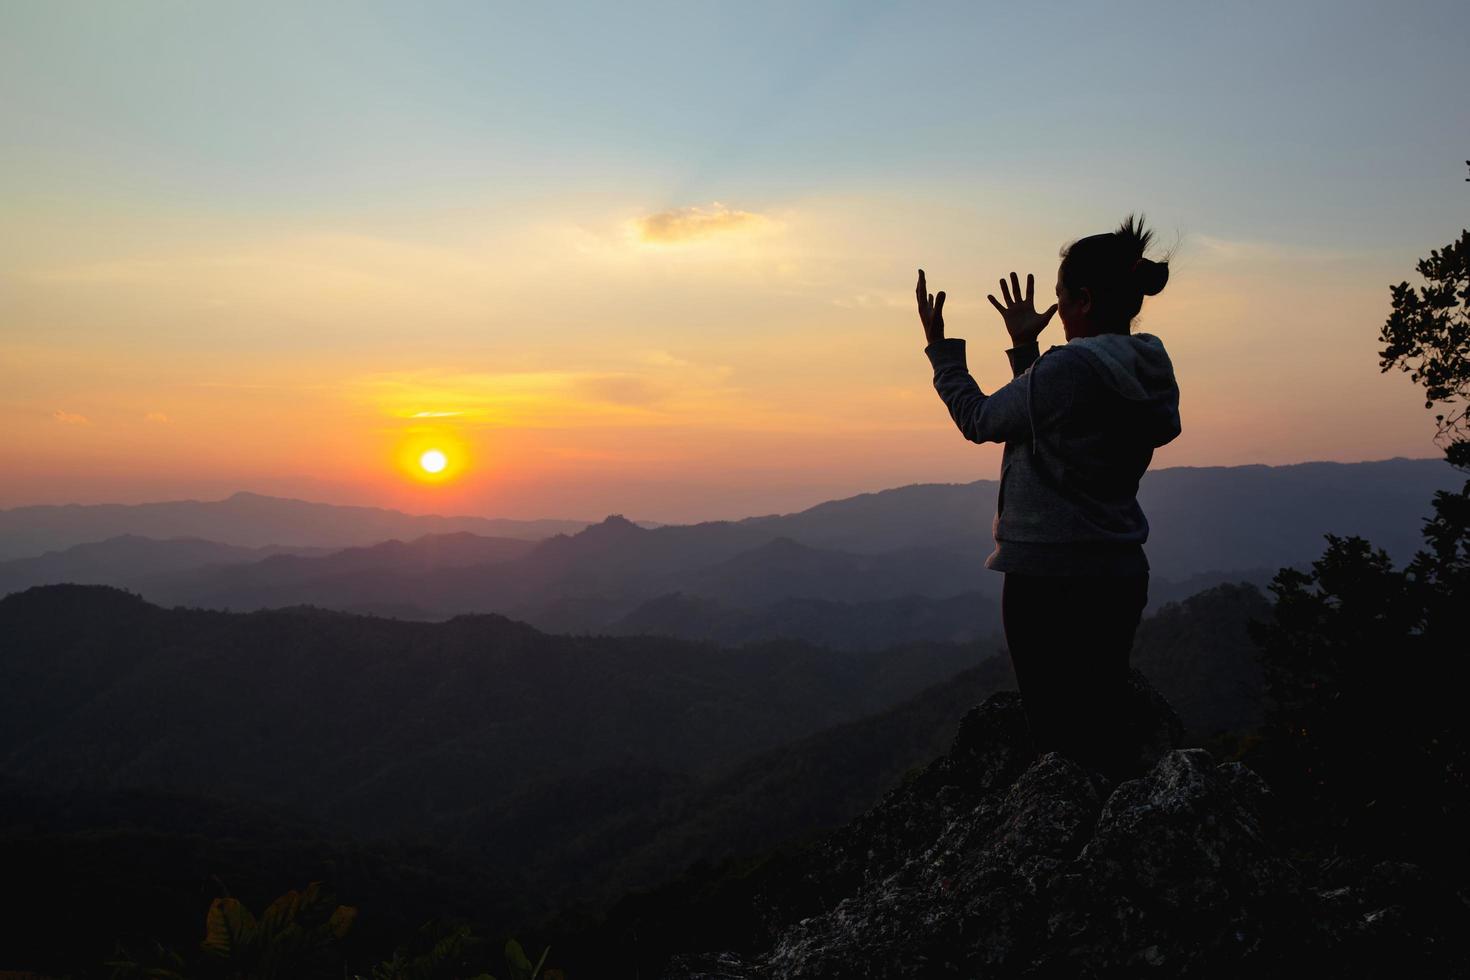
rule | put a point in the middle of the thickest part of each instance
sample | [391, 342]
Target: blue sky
[1293, 122]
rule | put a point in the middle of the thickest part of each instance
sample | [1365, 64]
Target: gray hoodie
[1080, 425]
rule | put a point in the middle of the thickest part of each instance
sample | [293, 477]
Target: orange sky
[218, 277]
[579, 366]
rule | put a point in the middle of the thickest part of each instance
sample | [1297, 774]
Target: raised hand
[931, 312]
[1023, 323]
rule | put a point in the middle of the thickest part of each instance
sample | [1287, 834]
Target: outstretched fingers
[996, 303]
[1016, 288]
[1006, 292]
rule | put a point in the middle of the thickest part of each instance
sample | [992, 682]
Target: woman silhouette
[1080, 424]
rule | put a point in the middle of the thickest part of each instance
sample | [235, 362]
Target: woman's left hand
[1022, 321]
[931, 312]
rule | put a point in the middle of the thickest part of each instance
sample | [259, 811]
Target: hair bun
[1150, 276]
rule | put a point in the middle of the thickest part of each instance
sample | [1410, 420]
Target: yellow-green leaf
[228, 927]
[341, 921]
[281, 912]
[515, 956]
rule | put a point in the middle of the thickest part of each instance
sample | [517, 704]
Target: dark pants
[1070, 637]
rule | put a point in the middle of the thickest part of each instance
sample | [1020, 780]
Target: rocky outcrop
[993, 863]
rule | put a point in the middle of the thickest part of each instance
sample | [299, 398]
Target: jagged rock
[974, 889]
[1171, 874]
[710, 966]
[1391, 912]
[993, 863]
[1179, 877]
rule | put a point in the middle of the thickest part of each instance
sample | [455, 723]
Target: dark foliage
[1428, 336]
[1371, 751]
[1365, 663]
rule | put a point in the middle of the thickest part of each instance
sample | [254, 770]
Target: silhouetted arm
[998, 417]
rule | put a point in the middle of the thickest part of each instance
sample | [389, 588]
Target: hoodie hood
[1137, 367]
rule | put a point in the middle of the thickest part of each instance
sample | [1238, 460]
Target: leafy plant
[161, 963]
[298, 936]
[520, 967]
[450, 952]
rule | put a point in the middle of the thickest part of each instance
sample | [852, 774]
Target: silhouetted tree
[1365, 664]
[1428, 335]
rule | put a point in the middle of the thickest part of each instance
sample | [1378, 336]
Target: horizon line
[577, 520]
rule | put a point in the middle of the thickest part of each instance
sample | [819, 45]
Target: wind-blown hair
[1113, 268]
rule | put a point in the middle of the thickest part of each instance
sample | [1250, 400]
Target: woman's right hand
[1023, 323]
[931, 312]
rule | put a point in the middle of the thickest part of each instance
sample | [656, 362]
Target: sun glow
[431, 454]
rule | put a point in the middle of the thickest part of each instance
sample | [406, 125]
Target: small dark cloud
[687, 224]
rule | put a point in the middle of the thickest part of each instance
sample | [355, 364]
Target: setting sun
[431, 455]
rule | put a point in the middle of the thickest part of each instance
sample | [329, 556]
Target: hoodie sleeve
[997, 417]
[1023, 356]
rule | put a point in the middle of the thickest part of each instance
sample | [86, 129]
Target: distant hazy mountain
[285, 580]
[589, 581]
[1201, 518]
[1235, 517]
[784, 567]
[183, 565]
[924, 542]
[129, 561]
[245, 519]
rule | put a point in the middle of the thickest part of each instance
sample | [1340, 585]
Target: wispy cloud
[159, 417]
[70, 418]
[873, 301]
[692, 223]
[1244, 250]
[662, 358]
